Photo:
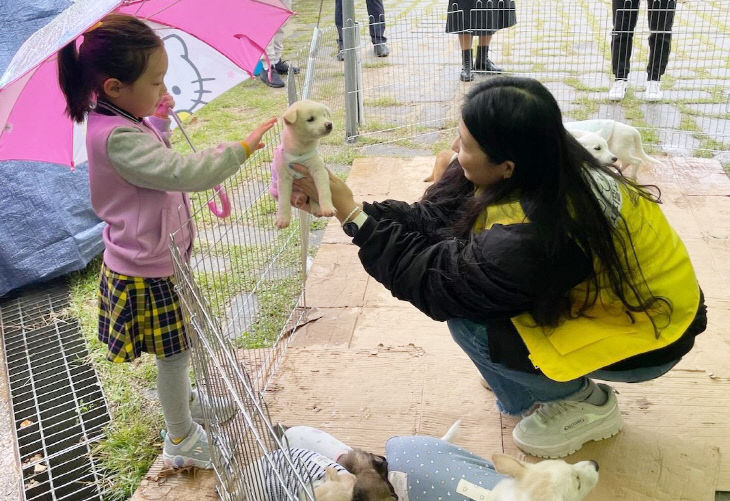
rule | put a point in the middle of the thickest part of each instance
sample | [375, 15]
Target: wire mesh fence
[416, 91]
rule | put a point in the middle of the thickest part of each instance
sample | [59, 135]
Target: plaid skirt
[138, 314]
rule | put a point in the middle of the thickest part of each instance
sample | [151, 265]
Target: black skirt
[480, 18]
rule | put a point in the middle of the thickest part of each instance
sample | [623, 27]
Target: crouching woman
[551, 270]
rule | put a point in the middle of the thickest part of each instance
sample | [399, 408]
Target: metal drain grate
[58, 405]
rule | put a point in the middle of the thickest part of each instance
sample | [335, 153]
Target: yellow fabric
[605, 334]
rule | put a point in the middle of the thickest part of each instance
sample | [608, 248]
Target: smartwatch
[351, 227]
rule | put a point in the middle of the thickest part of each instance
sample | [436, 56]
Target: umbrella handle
[225, 208]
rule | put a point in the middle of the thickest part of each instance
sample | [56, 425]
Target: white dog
[623, 140]
[549, 480]
[596, 146]
[305, 122]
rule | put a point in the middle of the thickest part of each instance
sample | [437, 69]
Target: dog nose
[595, 464]
[328, 125]
[614, 159]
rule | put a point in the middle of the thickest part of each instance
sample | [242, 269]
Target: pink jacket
[130, 172]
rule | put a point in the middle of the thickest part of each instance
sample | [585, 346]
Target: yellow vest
[605, 334]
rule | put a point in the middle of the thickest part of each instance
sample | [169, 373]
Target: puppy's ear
[508, 465]
[331, 474]
[290, 115]
[380, 464]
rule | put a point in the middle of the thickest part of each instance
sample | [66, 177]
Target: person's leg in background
[570, 413]
[273, 52]
[625, 15]
[465, 41]
[338, 24]
[186, 443]
[661, 20]
[483, 63]
[376, 26]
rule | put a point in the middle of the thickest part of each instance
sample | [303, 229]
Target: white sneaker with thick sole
[618, 90]
[192, 451]
[557, 429]
[653, 91]
[222, 407]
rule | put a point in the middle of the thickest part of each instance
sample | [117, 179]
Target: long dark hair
[518, 119]
[118, 47]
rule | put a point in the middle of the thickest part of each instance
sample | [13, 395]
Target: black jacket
[489, 278]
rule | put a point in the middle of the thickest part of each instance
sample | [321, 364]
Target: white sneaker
[223, 408]
[653, 91]
[192, 451]
[560, 428]
[618, 90]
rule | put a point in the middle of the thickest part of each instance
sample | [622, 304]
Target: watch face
[350, 229]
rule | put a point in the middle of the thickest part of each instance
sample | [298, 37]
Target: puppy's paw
[282, 222]
[326, 211]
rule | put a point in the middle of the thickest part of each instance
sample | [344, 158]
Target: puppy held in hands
[305, 123]
[371, 474]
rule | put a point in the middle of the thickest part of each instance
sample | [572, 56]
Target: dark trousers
[376, 24]
[661, 18]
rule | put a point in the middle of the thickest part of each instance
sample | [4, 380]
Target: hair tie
[94, 27]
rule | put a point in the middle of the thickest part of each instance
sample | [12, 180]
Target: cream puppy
[549, 480]
[334, 487]
[623, 140]
[305, 123]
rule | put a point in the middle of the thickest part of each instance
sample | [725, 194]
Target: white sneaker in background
[557, 429]
[618, 90]
[653, 91]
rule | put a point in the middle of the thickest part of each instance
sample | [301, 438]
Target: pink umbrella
[33, 125]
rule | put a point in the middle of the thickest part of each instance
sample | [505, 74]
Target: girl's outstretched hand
[253, 140]
[304, 190]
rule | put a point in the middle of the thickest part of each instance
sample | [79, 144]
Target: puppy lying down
[422, 468]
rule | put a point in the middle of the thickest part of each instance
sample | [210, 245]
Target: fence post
[352, 92]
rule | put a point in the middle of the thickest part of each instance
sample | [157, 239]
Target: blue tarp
[47, 226]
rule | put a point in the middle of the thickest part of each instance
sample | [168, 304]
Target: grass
[131, 441]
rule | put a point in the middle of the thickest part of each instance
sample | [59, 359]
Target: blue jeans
[518, 391]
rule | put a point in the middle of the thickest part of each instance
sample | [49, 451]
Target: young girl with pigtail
[138, 187]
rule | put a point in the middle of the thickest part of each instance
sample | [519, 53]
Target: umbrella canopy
[47, 226]
[33, 125]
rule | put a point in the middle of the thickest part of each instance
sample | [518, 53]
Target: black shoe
[275, 81]
[466, 74]
[483, 63]
[487, 66]
[282, 68]
[381, 49]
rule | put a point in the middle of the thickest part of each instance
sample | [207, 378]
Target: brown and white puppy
[371, 473]
[305, 123]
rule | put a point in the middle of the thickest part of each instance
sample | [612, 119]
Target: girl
[137, 187]
[550, 269]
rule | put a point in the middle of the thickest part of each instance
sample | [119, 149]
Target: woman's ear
[508, 168]
[112, 87]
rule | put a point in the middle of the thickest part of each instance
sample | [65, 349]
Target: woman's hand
[304, 190]
[253, 140]
[165, 104]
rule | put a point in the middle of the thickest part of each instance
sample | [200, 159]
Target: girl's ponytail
[73, 82]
